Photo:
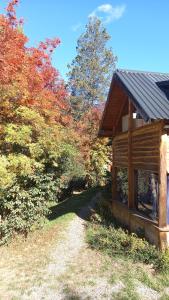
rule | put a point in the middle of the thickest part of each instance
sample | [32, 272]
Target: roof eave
[144, 115]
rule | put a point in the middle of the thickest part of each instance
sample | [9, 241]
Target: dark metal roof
[149, 96]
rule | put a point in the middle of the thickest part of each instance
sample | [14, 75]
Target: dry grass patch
[23, 261]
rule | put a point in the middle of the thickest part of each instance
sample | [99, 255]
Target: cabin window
[147, 193]
[122, 185]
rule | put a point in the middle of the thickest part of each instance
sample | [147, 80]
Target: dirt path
[61, 258]
[64, 257]
[56, 283]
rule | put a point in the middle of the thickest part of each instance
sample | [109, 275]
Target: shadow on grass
[73, 204]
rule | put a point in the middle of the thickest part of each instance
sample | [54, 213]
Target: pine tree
[91, 70]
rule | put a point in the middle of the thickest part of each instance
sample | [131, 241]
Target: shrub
[105, 234]
[35, 168]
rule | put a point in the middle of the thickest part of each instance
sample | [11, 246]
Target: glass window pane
[122, 185]
[147, 193]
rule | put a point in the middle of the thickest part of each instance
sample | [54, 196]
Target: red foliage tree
[27, 76]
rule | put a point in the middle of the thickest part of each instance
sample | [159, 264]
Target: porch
[143, 154]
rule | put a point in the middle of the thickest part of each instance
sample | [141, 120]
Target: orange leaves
[12, 50]
[49, 45]
[29, 70]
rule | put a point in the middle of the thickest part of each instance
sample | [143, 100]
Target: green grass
[64, 211]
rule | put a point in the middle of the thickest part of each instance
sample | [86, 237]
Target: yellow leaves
[18, 134]
[16, 165]
[22, 165]
[31, 117]
[6, 177]
[36, 150]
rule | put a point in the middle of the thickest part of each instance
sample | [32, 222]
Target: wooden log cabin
[136, 117]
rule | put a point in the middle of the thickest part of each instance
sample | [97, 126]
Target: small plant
[105, 234]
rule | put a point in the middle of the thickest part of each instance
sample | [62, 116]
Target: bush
[105, 234]
[38, 163]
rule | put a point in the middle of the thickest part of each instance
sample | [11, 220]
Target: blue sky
[138, 29]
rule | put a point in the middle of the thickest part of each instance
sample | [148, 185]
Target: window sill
[143, 217]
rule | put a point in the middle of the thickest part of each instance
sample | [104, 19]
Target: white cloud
[107, 8]
[76, 27]
[108, 12]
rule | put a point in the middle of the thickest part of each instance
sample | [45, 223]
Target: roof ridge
[139, 71]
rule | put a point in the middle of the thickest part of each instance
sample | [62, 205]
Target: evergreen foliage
[91, 70]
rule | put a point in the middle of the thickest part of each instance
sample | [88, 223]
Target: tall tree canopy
[89, 79]
[91, 70]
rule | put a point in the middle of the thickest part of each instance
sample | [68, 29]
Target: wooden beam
[119, 115]
[114, 176]
[163, 182]
[131, 187]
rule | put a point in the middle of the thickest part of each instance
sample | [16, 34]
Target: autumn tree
[38, 153]
[91, 70]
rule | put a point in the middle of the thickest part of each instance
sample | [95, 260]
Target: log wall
[145, 148]
[120, 150]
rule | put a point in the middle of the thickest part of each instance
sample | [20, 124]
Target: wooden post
[163, 182]
[130, 168]
[114, 177]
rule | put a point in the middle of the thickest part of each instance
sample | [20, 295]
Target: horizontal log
[121, 161]
[121, 146]
[146, 137]
[150, 127]
[139, 163]
[120, 164]
[150, 142]
[146, 132]
[125, 143]
[122, 158]
[119, 142]
[145, 157]
[145, 152]
[123, 150]
[136, 150]
[121, 155]
[121, 136]
[145, 147]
